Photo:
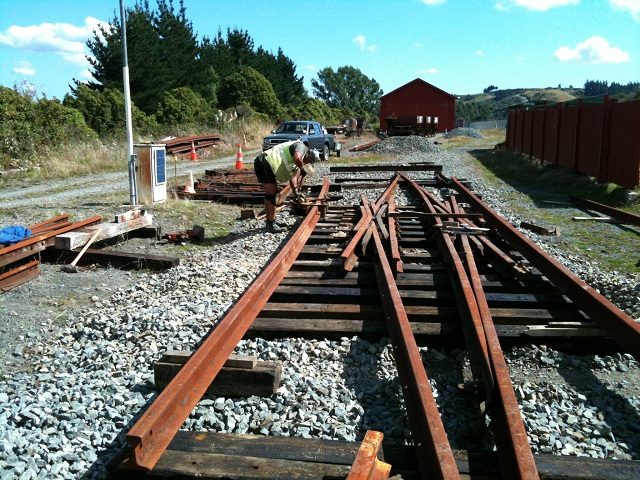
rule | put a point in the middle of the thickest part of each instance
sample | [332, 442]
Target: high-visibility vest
[281, 161]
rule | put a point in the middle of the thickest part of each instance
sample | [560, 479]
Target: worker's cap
[314, 155]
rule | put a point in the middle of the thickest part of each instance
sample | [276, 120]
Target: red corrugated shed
[419, 98]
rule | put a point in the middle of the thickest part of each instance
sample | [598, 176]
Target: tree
[281, 72]
[149, 72]
[315, 109]
[349, 89]
[104, 111]
[236, 51]
[490, 88]
[593, 88]
[251, 87]
[28, 123]
[182, 106]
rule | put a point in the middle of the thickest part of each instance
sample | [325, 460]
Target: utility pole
[133, 194]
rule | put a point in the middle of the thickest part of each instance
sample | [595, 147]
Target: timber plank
[211, 455]
[262, 380]
[115, 259]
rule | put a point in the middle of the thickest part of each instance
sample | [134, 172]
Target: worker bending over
[285, 162]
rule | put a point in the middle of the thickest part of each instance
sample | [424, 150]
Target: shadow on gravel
[377, 390]
[113, 453]
[619, 415]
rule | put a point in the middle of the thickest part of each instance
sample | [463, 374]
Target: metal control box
[151, 173]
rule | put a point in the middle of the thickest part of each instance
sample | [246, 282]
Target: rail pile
[411, 270]
[20, 262]
[230, 186]
[182, 145]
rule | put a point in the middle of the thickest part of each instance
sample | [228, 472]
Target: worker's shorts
[263, 170]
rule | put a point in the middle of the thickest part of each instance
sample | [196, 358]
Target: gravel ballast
[83, 380]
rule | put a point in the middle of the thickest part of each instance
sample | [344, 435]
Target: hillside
[494, 104]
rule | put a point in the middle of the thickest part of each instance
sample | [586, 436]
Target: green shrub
[182, 106]
[104, 112]
[248, 86]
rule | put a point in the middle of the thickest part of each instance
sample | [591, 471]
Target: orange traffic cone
[188, 188]
[193, 155]
[239, 155]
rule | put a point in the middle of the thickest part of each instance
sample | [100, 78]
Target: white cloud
[633, 6]
[539, 5]
[86, 74]
[361, 41]
[433, 2]
[479, 53]
[311, 67]
[429, 71]
[63, 39]
[593, 50]
[25, 68]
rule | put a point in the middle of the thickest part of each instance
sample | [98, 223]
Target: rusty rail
[18, 275]
[620, 215]
[433, 451]
[38, 242]
[153, 432]
[514, 451]
[618, 324]
[366, 465]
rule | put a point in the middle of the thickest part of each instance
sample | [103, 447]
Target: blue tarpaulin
[13, 234]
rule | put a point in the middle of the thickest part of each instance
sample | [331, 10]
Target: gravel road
[62, 193]
[79, 379]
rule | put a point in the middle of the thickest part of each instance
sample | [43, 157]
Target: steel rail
[37, 243]
[17, 276]
[433, 451]
[464, 292]
[366, 465]
[617, 323]
[155, 429]
[349, 255]
[514, 452]
[511, 434]
[620, 215]
[393, 237]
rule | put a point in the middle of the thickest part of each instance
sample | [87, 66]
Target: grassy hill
[494, 104]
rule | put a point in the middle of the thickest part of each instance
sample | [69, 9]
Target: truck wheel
[325, 153]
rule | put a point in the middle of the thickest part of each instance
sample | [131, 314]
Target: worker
[288, 161]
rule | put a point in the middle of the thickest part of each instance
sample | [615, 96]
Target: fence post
[560, 107]
[531, 112]
[544, 131]
[576, 137]
[603, 160]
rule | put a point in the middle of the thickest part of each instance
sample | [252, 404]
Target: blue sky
[459, 46]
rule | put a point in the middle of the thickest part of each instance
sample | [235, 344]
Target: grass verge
[614, 247]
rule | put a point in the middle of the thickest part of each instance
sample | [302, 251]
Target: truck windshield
[290, 127]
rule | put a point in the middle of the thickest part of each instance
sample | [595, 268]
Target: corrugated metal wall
[599, 140]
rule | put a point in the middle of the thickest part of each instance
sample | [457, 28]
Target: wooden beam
[120, 260]
[241, 376]
[77, 239]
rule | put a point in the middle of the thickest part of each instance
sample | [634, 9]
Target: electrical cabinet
[151, 173]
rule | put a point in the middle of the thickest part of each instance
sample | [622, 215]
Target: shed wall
[419, 99]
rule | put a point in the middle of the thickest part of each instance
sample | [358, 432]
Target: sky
[459, 46]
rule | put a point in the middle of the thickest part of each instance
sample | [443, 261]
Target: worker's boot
[272, 227]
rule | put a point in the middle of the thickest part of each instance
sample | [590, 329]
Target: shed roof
[419, 81]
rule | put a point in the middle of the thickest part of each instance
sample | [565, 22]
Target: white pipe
[133, 194]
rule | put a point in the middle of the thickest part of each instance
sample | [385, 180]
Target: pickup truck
[311, 133]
